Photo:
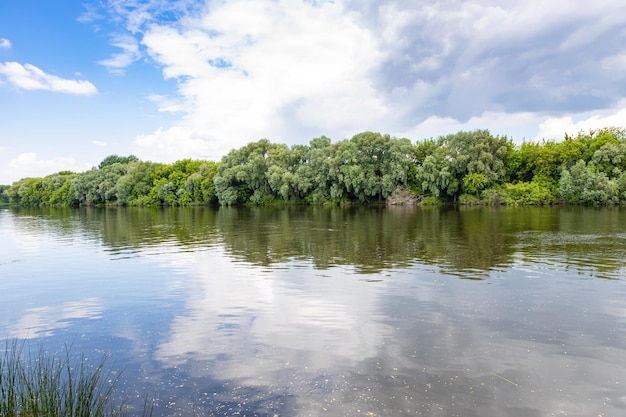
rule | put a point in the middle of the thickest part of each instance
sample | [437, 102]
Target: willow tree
[583, 184]
[477, 153]
[375, 165]
[242, 175]
[317, 176]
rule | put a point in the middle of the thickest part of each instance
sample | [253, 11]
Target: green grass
[49, 385]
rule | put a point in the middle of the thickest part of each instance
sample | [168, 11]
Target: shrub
[528, 193]
[494, 196]
[474, 183]
[430, 201]
[469, 200]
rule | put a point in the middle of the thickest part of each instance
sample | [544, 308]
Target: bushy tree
[318, 176]
[171, 185]
[442, 171]
[593, 140]
[52, 190]
[115, 159]
[610, 159]
[24, 192]
[97, 186]
[200, 184]
[583, 184]
[4, 197]
[133, 188]
[242, 175]
[474, 183]
[378, 166]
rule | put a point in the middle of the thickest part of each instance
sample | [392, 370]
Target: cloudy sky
[165, 79]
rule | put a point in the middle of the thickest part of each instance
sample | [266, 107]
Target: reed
[42, 384]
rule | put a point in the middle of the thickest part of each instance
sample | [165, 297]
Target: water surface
[331, 311]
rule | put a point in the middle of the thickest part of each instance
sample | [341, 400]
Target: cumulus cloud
[5, 43]
[557, 127]
[175, 143]
[290, 70]
[29, 77]
[517, 126]
[524, 126]
[28, 164]
[252, 69]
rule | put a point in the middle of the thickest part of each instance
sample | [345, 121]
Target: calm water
[331, 312]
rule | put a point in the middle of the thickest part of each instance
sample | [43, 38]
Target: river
[314, 311]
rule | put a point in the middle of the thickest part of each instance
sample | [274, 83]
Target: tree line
[468, 167]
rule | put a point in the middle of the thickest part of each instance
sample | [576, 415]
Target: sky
[172, 79]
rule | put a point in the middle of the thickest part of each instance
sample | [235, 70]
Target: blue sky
[165, 79]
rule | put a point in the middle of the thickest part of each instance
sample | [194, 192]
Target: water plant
[57, 385]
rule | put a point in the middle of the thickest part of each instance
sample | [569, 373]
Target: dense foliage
[4, 197]
[121, 181]
[467, 167]
[367, 167]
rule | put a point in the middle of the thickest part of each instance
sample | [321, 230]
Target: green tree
[596, 139]
[97, 186]
[379, 164]
[318, 174]
[170, 184]
[441, 172]
[242, 176]
[582, 184]
[200, 184]
[4, 197]
[51, 190]
[115, 159]
[282, 163]
[474, 183]
[24, 192]
[610, 159]
[84, 189]
[133, 188]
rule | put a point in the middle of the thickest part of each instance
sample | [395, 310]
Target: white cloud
[557, 127]
[119, 61]
[175, 143]
[168, 104]
[5, 43]
[290, 70]
[29, 77]
[524, 125]
[99, 143]
[517, 126]
[253, 69]
[29, 165]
